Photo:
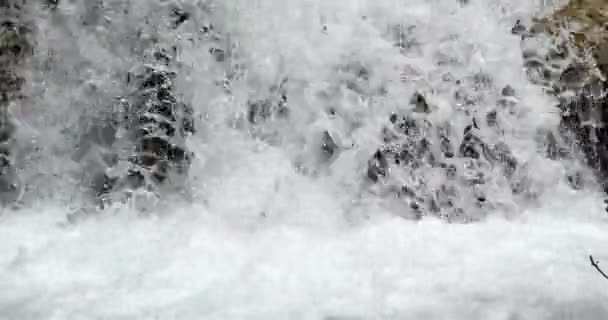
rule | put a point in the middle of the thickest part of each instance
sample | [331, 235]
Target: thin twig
[597, 267]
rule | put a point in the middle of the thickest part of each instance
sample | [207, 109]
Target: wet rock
[575, 180]
[273, 106]
[508, 91]
[260, 111]
[482, 81]
[328, 146]
[155, 124]
[446, 146]
[471, 145]
[500, 154]
[377, 166]
[583, 122]
[15, 45]
[179, 16]
[577, 80]
[218, 54]
[433, 176]
[52, 4]
[492, 119]
[519, 28]
[420, 103]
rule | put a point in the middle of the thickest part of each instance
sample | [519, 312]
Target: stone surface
[152, 124]
[15, 47]
[575, 68]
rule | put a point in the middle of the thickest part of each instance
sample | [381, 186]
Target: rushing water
[273, 228]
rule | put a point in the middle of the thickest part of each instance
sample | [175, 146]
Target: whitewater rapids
[262, 241]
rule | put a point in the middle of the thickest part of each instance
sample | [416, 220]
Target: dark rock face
[15, 47]
[154, 124]
[583, 123]
[423, 164]
[274, 106]
[578, 84]
[134, 146]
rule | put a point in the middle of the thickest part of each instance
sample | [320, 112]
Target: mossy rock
[581, 27]
[14, 42]
[586, 24]
[586, 21]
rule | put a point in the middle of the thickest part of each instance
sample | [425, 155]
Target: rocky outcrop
[152, 124]
[573, 69]
[15, 47]
[438, 171]
[135, 146]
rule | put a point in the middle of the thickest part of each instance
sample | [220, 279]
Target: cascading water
[333, 143]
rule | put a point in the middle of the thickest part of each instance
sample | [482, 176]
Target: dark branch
[597, 267]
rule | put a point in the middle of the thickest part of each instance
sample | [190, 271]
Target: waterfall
[337, 160]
